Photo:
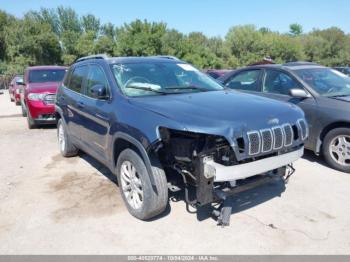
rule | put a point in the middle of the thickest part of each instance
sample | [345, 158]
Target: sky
[212, 17]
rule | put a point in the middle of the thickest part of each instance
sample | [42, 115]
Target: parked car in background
[216, 73]
[39, 92]
[344, 70]
[151, 118]
[323, 93]
[15, 89]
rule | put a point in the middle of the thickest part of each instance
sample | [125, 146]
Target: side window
[246, 80]
[278, 83]
[96, 76]
[77, 78]
[67, 78]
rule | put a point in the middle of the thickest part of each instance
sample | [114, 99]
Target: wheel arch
[58, 113]
[123, 141]
[326, 129]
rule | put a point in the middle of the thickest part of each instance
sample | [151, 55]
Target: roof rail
[299, 63]
[98, 56]
[166, 57]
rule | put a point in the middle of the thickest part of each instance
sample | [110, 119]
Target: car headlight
[36, 97]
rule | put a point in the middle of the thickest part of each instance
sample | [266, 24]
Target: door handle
[81, 104]
[102, 117]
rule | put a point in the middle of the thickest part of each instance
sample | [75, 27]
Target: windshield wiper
[187, 88]
[148, 89]
[340, 95]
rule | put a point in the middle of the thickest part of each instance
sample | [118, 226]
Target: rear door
[71, 100]
[96, 115]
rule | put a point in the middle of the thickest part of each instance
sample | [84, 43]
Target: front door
[277, 84]
[96, 116]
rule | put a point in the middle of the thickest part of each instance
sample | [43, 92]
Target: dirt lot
[51, 205]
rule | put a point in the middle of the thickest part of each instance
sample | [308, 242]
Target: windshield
[326, 81]
[48, 75]
[152, 78]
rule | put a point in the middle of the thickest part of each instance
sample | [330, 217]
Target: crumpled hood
[218, 112]
[47, 87]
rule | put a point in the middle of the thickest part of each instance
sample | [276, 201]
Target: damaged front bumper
[223, 173]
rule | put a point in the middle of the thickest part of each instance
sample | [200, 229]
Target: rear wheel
[67, 149]
[141, 199]
[24, 110]
[336, 149]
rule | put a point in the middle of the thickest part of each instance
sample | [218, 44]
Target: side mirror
[20, 82]
[99, 91]
[299, 93]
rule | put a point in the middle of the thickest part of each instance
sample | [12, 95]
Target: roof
[132, 59]
[218, 70]
[46, 67]
[288, 66]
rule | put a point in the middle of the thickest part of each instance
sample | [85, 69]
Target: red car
[216, 73]
[38, 97]
[15, 88]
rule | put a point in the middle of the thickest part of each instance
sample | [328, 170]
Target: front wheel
[336, 149]
[24, 110]
[30, 121]
[142, 200]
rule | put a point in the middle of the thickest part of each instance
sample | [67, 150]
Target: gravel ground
[52, 205]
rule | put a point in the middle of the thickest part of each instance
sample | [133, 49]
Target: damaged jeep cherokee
[149, 119]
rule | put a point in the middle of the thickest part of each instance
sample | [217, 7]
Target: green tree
[173, 43]
[32, 42]
[295, 29]
[85, 44]
[246, 44]
[68, 20]
[5, 21]
[47, 16]
[140, 38]
[90, 24]
[108, 30]
[105, 45]
[330, 47]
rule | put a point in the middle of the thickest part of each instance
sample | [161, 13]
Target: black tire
[153, 203]
[24, 110]
[68, 149]
[30, 121]
[331, 135]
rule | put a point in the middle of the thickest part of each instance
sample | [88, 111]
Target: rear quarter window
[77, 78]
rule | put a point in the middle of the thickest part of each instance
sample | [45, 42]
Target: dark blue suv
[149, 119]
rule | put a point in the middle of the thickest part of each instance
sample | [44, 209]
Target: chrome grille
[288, 135]
[267, 140]
[49, 99]
[278, 135]
[276, 138]
[303, 129]
[254, 142]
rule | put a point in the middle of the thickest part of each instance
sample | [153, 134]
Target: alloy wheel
[131, 185]
[339, 150]
[61, 138]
